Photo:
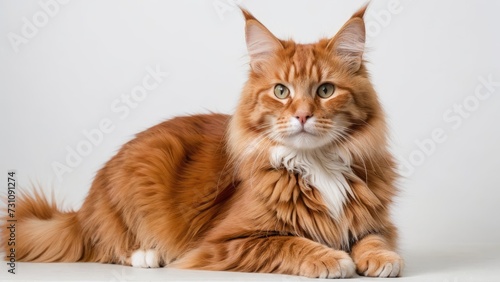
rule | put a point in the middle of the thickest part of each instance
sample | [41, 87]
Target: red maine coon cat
[298, 181]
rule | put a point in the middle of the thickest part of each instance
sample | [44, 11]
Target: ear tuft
[247, 14]
[361, 12]
[349, 43]
[261, 43]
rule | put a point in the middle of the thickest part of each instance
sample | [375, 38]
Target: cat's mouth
[303, 132]
[303, 135]
[304, 139]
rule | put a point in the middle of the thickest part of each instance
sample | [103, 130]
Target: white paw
[145, 259]
[347, 268]
[390, 269]
[336, 265]
[380, 263]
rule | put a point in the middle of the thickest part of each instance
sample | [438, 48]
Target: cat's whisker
[365, 154]
[353, 149]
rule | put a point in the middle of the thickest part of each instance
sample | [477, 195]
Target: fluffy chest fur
[325, 170]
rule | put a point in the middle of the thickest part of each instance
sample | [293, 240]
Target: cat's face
[307, 96]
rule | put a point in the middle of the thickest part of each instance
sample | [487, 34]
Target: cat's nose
[303, 116]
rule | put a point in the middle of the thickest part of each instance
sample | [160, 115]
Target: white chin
[305, 141]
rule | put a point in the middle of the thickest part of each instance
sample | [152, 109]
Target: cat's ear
[349, 43]
[261, 43]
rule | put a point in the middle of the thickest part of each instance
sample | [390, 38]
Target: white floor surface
[462, 264]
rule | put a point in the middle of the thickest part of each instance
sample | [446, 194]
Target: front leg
[374, 257]
[274, 254]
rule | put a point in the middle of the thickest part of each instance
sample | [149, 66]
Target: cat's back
[182, 154]
[182, 146]
[196, 127]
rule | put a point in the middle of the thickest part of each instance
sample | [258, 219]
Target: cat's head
[306, 96]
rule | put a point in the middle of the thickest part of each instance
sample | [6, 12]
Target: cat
[298, 181]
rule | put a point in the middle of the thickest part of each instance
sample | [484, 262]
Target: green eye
[325, 90]
[281, 91]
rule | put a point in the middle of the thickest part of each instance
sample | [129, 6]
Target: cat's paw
[381, 263]
[336, 264]
[145, 259]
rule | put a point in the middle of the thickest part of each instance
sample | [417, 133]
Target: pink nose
[303, 116]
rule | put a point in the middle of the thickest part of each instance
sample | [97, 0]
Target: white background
[425, 59]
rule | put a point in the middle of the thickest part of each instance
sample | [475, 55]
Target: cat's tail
[33, 229]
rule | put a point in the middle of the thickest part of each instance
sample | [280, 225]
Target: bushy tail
[40, 232]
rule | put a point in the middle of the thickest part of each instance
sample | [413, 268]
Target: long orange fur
[202, 193]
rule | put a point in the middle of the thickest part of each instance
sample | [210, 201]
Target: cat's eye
[325, 90]
[281, 91]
